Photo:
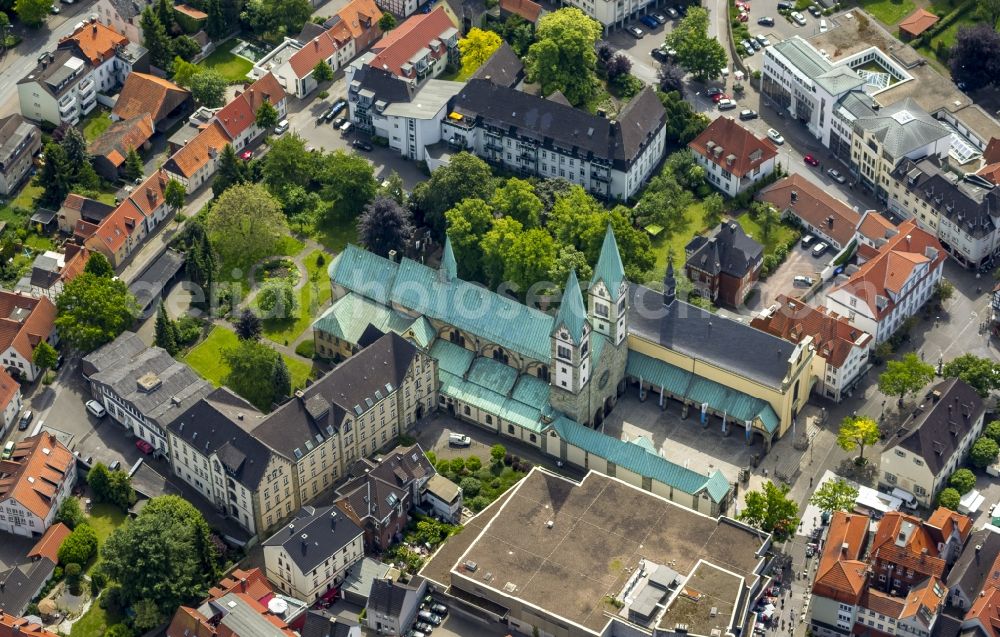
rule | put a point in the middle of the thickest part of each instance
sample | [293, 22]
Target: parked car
[362, 145]
[718, 97]
[426, 8]
[836, 175]
[54, 10]
[748, 114]
[806, 240]
[429, 617]
[25, 420]
[440, 609]
[822, 26]
[812, 161]
[775, 136]
[96, 409]
[747, 47]
[712, 91]
[672, 12]
[281, 127]
[819, 249]
[423, 627]
[330, 114]
[765, 21]
[346, 127]
[635, 32]
[659, 17]
[8, 451]
[755, 44]
[115, 466]
[144, 446]
[815, 10]
[727, 105]
[649, 21]
[798, 18]
[338, 106]
[803, 281]
[785, 7]
[246, 155]
[459, 440]
[762, 40]
[659, 54]
[337, 123]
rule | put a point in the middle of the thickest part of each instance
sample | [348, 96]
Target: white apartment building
[311, 554]
[33, 484]
[20, 141]
[734, 158]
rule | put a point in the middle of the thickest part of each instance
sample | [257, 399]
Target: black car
[785, 6]
[337, 123]
[659, 54]
[330, 114]
[748, 114]
[765, 21]
[712, 91]
[360, 145]
[815, 10]
[26, 419]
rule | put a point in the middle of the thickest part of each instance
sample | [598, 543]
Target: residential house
[991, 173]
[609, 158]
[892, 285]
[13, 626]
[51, 271]
[503, 68]
[970, 573]
[196, 161]
[320, 623]
[733, 157]
[351, 413]
[349, 32]
[310, 555]
[958, 210]
[76, 208]
[123, 231]
[240, 606]
[915, 24]
[144, 94]
[524, 9]
[145, 392]
[127, 346]
[874, 231]
[20, 141]
[10, 401]
[818, 212]
[842, 350]
[111, 149]
[724, 267]
[21, 583]
[443, 498]
[63, 87]
[379, 495]
[48, 546]
[906, 550]
[392, 607]
[212, 449]
[24, 323]
[34, 483]
[238, 118]
[123, 16]
[422, 47]
[933, 440]
[612, 14]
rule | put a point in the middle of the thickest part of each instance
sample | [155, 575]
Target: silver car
[798, 18]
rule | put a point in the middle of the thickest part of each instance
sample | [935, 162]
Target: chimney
[94, 29]
[243, 584]
[795, 196]
[150, 194]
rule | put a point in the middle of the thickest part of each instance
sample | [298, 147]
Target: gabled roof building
[25, 321]
[20, 141]
[724, 266]
[33, 484]
[145, 94]
[733, 157]
[820, 213]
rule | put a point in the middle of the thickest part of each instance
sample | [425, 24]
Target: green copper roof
[572, 314]
[448, 264]
[493, 374]
[635, 457]
[423, 331]
[490, 401]
[352, 314]
[363, 272]
[531, 390]
[609, 268]
[451, 358]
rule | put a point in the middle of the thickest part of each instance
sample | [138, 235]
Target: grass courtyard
[95, 622]
[888, 12]
[206, 358]
[314, 294]
[104, 519]
[230, 66]
[95, 123]
[780, 234]
[664, 246]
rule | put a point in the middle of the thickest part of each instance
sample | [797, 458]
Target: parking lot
[800, 262]
[640, 50]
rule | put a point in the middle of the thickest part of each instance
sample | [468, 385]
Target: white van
[96, 409]
[822, 26]
[908, 498]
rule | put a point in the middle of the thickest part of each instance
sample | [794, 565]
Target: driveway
[800, 262]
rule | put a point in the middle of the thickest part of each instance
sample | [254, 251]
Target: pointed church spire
[449, 267]
[572, 313]
[669, 283]
[609, 268]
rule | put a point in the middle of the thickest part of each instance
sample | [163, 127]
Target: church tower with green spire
[607, 297]
[448, 270]
[570, 343]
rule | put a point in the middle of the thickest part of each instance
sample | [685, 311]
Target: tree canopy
[771, 510]
[385, 225]
[835, 495]
[857, 432]
[32, 12]
[982, 374]
[984, 452]
[563, 57]
[246, 223]
[949, 498]
[251, 372]
[476, 47]
[466, 176]
[209, 88]
[962, 481]
[79, 546]
[702, 56]
[905, 376]
[975, 57]
[93, 310]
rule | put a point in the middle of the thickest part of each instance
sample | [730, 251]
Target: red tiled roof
[814, 205]
[48, 545]
[190, 12]
[992, 153]
[312, 52]
[991, 172]
[399, 45]
[96, 41]
[76, 259]
[148, 94]
[884, 275]
[929, 595]
[22, 332]
[14, 626]
[943, 522]
[121, 137]
[876, 227]
[833, 335]
[116, 228]
[353, 18]
[42, 463]
[986, 609]
[841, 574]
[9, 388]
[883, 603]
[734, 148]
[84, 229]
[253, 582]
[149, 195]
[195, 154]
[188, 622]
[241, 113]
[902, 540]
[917, 22]
[525, 8]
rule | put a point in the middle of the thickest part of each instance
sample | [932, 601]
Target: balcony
[604, 177]
[67, 104]
[85, 85]
[494, 146]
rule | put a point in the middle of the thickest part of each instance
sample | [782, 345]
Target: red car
[144, 446]
[718, 97]
[246, 155]
[744, 17]
[812, 161]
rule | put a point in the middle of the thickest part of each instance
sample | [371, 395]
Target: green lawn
[96, 123]
[781, 233]
[888, 12]
[337, 235]
[947, 37]
[206, 358]
[232, 67]
[95, 622]
[238, 271]
[287, 330]
[675, 244]
[105, 518]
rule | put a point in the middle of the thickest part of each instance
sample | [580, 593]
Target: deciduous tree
[276, 299]
[835, 495]
[983, 374]
[702, 56]
[322, 72]
[857, 432]
[949, 498]
[988, 11]
[714, 206]
[563, 57]
[266, 117]
[251, 375]
[904, 376]
[32, 12]
[98, 265]
[529, 259]
[771, 510]
[464, 177]
[962, 481]
[78, 158]
[569, 259]
[348, 184]
[174, 194]
[70, 513]
[246, 223]
[385, 225]
[984, 452]
[975, 57]
[79, 546]
[209, 88]
[617, 66]
[387, 22]
[468, 223]
[495, 246]
[476, 47]
[670, 77]
[516, 199]
[93, 310]
[44, 357]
